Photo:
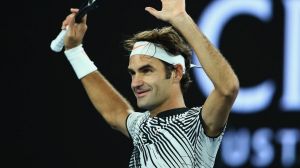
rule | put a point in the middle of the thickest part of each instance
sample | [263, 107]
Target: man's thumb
[152, 11]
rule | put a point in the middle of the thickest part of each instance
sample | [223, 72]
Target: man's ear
[178, 72]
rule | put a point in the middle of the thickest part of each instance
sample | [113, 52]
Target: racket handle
[58, 43]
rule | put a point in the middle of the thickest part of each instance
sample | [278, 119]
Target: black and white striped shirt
[173, 139]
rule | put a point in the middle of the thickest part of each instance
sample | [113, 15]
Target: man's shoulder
[136, 116]
[194, 110]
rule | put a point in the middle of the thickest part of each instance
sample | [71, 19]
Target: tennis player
[167, 134]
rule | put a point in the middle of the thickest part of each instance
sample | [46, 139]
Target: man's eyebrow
[145, 67]
[141, 68]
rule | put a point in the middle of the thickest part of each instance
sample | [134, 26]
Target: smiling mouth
[141, 94]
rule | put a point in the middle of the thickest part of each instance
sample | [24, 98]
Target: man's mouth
[141, 93]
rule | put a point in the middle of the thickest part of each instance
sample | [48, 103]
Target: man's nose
[137, 81]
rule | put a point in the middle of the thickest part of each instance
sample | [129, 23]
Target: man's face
[148, 81]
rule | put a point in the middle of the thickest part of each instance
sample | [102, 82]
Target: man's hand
[76, 31]
[171, 10]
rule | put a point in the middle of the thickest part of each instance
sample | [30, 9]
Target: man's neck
[176, 101]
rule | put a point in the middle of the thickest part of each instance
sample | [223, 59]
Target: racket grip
[58, 43]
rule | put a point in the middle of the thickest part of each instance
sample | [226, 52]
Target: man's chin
[143, 105]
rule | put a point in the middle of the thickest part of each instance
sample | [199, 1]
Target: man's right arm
[108, 102]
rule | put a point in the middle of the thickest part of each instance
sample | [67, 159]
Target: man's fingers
[152, 11]
[71, 20]
[74, 10]
[67, 21]
[84, 19]
[64, 25]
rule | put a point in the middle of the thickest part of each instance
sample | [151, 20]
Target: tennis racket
[58, 43]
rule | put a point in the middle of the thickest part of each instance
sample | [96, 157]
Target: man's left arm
[218, 104]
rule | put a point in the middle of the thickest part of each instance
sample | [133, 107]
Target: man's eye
[147, 70]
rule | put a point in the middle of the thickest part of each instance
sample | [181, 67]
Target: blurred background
[48, 120]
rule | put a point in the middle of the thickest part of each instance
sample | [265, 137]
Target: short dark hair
[171, 41]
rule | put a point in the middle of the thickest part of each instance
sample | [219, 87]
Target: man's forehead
[135, 59]
[139, 60]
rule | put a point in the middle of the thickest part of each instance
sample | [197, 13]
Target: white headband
[150, 49]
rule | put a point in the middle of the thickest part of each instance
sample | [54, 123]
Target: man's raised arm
[108, 102]
[218, 105]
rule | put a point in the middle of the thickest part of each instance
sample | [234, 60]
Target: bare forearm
[212, 61]
[217, 106]
[109, 103]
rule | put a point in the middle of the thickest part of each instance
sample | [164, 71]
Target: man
[168, 134]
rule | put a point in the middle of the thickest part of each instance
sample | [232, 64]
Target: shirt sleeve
[210, 143]
[133, 123]
[202, 128]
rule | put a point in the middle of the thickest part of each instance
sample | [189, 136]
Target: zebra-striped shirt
[174, 138]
